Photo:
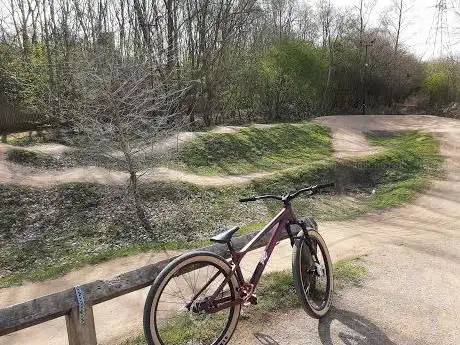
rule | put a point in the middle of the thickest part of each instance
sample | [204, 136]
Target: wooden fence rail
[13, 120]
[19, 316]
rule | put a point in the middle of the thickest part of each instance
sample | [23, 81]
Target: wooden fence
[12, 120]
[19, 316]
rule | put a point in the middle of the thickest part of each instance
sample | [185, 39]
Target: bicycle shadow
[361, 330]
[265, 339]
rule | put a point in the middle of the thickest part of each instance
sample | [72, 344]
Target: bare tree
[394, 21]
[126, 109]
[331, 23]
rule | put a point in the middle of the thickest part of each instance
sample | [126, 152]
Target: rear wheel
[312, 272]
[177, 306]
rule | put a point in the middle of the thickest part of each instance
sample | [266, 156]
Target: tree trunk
[135, 192]
[138, 202]
[395, 55]
[50, 65]
[170, 55]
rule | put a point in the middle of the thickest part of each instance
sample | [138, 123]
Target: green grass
[349, 271]
[394, 194]
[181, 329]
[24, 139]
[256, 149]
[62, 260]
[48, 232]
[139, 340]
[30, 158]
[59, 261]
[276, 292]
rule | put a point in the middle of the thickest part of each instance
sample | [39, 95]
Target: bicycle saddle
[225, 236]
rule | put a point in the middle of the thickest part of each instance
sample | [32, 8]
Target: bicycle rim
[178, 314]
[315, 275]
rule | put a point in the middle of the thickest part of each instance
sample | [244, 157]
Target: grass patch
[139, 340]
[60, 261]
[45, 233]
[273, 285]
[256, 149]
[25, 139]
[32, 159]
[181, 329]
[276, 291]
[349, 271]
[394, 194]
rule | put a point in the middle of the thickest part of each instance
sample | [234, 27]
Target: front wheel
[312, 272]
[178, 309]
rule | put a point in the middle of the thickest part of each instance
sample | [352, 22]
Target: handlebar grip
[252, 198]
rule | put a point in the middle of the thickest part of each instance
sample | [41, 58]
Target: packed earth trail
[410, 295]
[12, 173]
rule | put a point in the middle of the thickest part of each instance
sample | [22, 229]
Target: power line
[441, 39]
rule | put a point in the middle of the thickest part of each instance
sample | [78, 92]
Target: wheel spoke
[180, 313]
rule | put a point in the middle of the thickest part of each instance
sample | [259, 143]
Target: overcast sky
[420, 35]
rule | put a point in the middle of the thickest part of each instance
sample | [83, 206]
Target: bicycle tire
[304, 274]
[172, 270]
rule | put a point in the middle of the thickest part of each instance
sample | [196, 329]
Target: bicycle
[203, 293]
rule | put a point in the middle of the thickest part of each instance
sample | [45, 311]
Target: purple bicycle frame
[279, 223]
[276, 226]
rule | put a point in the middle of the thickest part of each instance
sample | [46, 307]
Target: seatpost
[230, 247]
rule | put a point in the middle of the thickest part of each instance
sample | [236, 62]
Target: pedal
[252, 300]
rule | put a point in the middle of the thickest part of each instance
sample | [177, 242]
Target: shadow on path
[265, 339]
[354, 330]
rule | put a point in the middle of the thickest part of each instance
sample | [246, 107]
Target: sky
[420, 34]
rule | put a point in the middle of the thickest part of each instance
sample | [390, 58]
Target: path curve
[410, 295]
[349, 143]
[425, 234]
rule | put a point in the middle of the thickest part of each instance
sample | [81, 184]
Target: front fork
[306, 225]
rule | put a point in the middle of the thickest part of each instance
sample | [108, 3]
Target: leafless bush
[123, 109]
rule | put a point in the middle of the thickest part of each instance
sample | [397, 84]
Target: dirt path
[411, 294]
[350, 142]
[410, 297]
[347, 143]
[11, 173]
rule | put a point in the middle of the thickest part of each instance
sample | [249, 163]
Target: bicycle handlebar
[255, 198]
[312, 189]
[247, 199]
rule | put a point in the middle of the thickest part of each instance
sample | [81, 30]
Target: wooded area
[213, 61]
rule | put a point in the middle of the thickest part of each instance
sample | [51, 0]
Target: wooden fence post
[81, 333]
[71, 302]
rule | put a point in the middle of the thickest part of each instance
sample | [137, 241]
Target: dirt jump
[11, 173]
[410, 295]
